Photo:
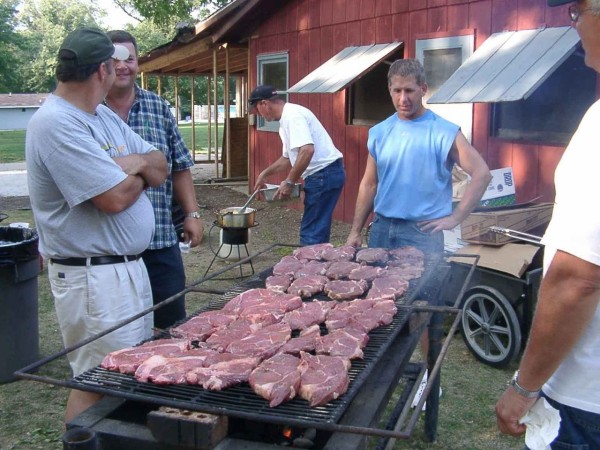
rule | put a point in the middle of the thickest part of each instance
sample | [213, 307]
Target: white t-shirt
[575, 229]
[298, 126]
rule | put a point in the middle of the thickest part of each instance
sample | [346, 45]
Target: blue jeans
[167, 278]
[321, 193]
[395, 233]
[579, 430]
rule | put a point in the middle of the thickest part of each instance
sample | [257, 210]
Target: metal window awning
[344, 68]
[508, 66]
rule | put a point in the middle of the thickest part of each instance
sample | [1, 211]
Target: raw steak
[250, 298]
[161, 370]
[307, 286]
[287, 266]
[221, 375]
[344, 253]
[277, 379]
[382, 313]
[345, 289]
[278, 283]
[203, 325]
[312, 268]
[341, 269]
[346, 343]
[239, 329]
[127, 360]
[305, 342]
[311, 251]
[323, 378]
[408, 254]
[388, 287]
[264, 343]
[341, 316]
[405, 272]
[310, 313]
[367, 273]
[372, 256]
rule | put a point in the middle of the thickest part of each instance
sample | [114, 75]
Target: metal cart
[497, 308]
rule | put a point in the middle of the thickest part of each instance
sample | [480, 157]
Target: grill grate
[240, 400]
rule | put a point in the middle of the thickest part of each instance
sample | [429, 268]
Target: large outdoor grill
[121, 419]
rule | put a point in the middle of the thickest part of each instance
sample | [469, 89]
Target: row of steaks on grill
[281, 345]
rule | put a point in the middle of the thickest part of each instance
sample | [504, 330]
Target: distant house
[17, 109]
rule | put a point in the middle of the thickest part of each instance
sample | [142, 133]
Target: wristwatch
[289, 183]
[193, 215]
[521, 390]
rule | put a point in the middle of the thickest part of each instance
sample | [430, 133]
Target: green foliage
[162, 12]
[45, 24]
[9, 46]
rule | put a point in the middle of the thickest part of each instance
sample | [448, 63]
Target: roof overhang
[344, 68]
[508, 66]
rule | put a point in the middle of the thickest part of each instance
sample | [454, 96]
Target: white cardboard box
[501, 190]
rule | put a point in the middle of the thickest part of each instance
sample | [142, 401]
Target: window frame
[459, 113]
[261, 61]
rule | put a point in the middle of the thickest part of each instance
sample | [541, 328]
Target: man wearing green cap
[87, 172]
[561, 363]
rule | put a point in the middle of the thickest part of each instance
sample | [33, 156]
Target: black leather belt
[96, 260]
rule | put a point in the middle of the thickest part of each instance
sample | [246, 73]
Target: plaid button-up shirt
[151, 118]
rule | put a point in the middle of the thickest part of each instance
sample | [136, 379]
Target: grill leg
[436, 335]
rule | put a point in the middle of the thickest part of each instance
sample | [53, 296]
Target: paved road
[13, 177]
[13, 180]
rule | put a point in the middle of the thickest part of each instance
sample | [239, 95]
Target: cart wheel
[490, 326]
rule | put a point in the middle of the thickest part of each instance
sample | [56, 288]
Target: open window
[363, 71]
[553, 111]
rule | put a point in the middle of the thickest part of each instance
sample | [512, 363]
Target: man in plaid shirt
[149, 116]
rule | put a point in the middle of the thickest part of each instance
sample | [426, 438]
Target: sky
[115, 18]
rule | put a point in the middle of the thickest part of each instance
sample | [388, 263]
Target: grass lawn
[12, 143]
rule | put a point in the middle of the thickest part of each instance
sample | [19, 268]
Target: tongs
[531, 238]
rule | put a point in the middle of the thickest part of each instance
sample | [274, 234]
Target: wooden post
[216, 106]
[226, 122]
[177, 99]
[193, 121]
[209, 115]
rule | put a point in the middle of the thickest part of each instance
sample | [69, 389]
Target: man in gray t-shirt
[87, 172]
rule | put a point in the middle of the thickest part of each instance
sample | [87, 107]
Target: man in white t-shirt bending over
[308, 153]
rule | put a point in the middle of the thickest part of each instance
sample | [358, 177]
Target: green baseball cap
[559, 2]
[86, 46]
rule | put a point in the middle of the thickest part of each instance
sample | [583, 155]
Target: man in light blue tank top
[408, 178]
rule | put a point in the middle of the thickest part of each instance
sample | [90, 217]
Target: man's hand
[193, 231]
[443, 223]
[354, 239]
[511, 407]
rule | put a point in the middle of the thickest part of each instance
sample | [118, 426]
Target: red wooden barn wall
[312, 31]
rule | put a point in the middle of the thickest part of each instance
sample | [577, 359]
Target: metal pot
[233, 218]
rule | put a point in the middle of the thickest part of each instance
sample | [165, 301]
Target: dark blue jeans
[395, 233]
[579, 430]
[321, 193]
[167, 278]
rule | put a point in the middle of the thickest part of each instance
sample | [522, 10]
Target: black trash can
[19, 326]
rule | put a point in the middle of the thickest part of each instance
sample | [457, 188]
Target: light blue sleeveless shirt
[414, 176]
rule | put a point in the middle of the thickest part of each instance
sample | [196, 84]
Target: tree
[10, 80]
[162, 12]
[45, 24]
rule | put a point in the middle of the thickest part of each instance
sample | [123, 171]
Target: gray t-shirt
[69, 161]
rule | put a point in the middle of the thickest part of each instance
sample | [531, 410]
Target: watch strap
[193, 215]
[521, 390]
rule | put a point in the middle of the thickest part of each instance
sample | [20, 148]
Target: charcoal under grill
[372, 379]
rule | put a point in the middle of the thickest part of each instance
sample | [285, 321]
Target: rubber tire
[490, 327]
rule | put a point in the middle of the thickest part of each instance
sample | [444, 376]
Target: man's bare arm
[364, 202]
[152, 166]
